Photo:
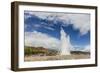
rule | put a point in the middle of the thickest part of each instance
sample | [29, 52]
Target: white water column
[65, 43]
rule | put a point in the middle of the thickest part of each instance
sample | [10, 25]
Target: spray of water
[65, 43]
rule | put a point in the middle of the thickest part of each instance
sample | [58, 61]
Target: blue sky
[76, 25]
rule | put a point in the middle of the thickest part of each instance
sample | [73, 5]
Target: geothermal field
[63, 53]
[72, 56]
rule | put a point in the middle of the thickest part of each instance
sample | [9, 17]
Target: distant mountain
[84, 49]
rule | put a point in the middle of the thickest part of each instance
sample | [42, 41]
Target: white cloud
[36, 25]
[25, 26]
[86, 48]
[80, 22]
[42, 15]
[27, 16]
[49, 28]
[38, 39]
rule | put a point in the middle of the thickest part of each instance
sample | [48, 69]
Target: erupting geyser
[65, 43]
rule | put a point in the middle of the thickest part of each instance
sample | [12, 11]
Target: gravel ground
[57, 57]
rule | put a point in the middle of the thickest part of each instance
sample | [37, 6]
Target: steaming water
[65, 43]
